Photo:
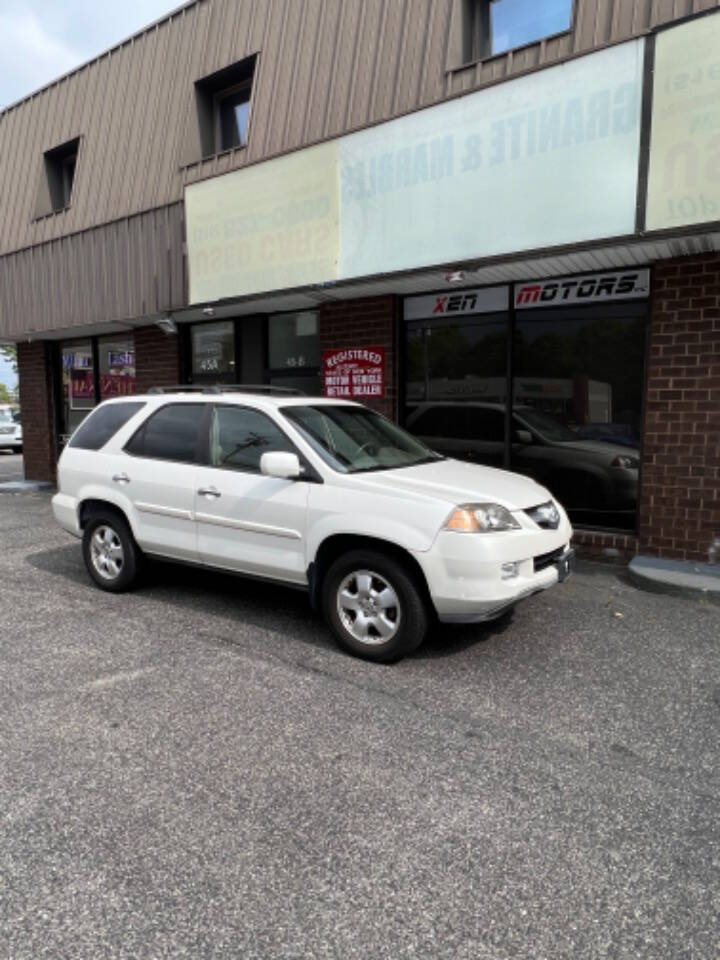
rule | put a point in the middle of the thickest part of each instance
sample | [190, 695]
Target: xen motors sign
[592, 288]
[457, 303]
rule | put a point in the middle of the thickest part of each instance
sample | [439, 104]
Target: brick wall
[680, 496]
[616, 548]
[366, 323]
[36, 406]
[158, 358]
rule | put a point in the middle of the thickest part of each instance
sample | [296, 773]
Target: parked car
[11, 435]
[320, 494]
[583, 474]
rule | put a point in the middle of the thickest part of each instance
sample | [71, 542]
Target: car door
[246, 521]
[158, 473]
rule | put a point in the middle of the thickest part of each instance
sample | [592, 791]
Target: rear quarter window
[102, 424]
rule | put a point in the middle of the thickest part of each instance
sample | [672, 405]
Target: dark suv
[589, 477]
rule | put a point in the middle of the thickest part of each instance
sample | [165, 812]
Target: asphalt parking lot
[194, 770]
[11, 466]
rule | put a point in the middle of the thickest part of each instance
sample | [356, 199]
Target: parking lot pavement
[194, 770]
[11, 466]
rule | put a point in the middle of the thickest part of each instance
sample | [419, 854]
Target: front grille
[545, 515]
[5, 430]
[546, 560]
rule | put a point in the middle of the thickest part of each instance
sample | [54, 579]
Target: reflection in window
[450, 361]
[495, 26]
[170, 434]
[577, 401]
[233, 114]
[294, 352]
[240, 436]
[116, 357]
[213, 352]
[78, 384]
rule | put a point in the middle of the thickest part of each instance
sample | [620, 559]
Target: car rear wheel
[111, 555]
[374, 606]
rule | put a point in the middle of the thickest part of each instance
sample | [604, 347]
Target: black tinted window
[103, 424]
[240, 436]
[170, 434]
[461, 422]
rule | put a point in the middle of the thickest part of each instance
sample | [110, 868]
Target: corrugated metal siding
[130, 268]
[324, 66]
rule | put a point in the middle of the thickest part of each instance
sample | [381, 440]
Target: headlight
[481, 518]
[629, 463]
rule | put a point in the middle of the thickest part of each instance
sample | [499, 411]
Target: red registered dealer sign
[355, 373]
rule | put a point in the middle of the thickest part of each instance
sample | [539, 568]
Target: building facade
[495, 221]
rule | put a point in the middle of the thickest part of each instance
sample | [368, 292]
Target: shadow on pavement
[256, 602]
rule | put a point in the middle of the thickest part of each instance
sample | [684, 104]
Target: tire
[111, 556]
[374, 606]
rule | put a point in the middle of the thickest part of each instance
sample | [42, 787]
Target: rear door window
[174, 432]
[102, 424]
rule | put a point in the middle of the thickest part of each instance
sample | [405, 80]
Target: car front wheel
[111, 555]
[374, 606]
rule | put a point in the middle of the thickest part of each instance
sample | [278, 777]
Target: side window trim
[202, 444]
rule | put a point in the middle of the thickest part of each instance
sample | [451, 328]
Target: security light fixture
[208, 312]
[457, 276]
[167, 324]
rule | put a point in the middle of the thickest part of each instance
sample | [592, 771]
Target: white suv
[325, 495]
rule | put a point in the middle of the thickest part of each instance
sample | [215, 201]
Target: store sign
[123, 358]
[269, 226]
[356, 373]
[536, 161]
[114, 385]
[684, 172]
[539, 160]
[457, 303]
[586, 289]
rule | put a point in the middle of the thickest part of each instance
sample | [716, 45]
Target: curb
[699, 581]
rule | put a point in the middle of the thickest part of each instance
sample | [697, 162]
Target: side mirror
[523, 436]
[283, 466]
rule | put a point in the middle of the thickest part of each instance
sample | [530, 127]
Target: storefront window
[294, 352]
[578, 392]
[81, 389]
[116, 359]
[578, 375]
[213, 352]
[78, 384]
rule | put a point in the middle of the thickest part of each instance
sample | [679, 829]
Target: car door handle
[121, 478]
[209, 492]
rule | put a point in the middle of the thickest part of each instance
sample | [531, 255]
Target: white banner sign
[545, 159]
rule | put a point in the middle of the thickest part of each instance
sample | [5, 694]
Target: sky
[42, 39]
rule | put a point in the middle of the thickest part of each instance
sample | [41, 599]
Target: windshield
[6, 417]
[547, 426]
[355, 439]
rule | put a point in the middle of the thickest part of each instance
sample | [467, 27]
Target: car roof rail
[178, 388]
[254, 388]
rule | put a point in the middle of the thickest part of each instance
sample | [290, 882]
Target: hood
[456, 482]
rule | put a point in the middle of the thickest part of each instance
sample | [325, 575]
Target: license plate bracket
[565, 565]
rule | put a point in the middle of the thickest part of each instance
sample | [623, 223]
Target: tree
[9, 352]
[5, 395]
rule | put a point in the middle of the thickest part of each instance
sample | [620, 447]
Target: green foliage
[5, 395]
[9, 351]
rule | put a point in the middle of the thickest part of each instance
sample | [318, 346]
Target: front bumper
[10, 443]
[465, 577]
